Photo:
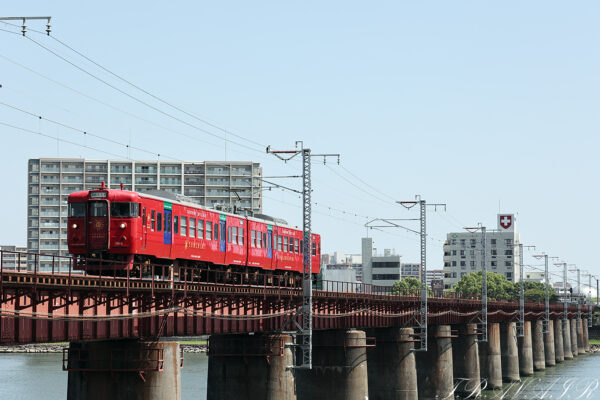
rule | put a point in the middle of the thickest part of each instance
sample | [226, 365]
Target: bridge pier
[466, 361]
[255, 365]
[526, 351]
[537, 344]
[339, 367]
[490, 358]
[580, 339]
[391, 369]
[124, 370]
[549, 352]
[510, 352]
[586, 335]
[559, 347]
[567, 339]
[434, 367]
[574, 349]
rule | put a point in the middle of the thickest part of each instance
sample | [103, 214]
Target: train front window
[98, 209]
[124, 210]
[77, 210]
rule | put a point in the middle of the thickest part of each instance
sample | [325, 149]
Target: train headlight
[74, 226]
[123, 225]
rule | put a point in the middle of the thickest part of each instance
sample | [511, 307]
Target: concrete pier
[586, 335]
[391, 370]
[490, 358]
[580, 338]
[526, 351]
[339, 367]
[559, 350]
[434, 367]
[465, 357]
[510, 352]
[255, 365]
[124, 370]
[567, 339]
[574, 348]
[537, 343]
[549, 353]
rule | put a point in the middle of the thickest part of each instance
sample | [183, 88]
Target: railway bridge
[364, 342]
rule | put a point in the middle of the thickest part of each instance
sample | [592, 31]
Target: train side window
[192, 227]
[252, 238]
[233, 234]
[279, 241]
[144, 216]
[175, 224]
[270, 244]
[159, 222]
[216, 231]
[200, 229]
[264, 241]
[314, 248]
[241, 235]
[183, 226]
[229, 234]
[296, 246]
[152, 220]
[301, 246]
[285, 243]
[208, 230]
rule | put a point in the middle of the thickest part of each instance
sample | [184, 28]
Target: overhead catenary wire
[88, 133]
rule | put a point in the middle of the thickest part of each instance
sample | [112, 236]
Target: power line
[39, 117]
[59, 139]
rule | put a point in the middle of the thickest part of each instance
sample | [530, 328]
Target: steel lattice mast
[421, 318]
[304, 331]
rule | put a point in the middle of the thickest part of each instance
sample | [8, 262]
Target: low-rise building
[14, 257]
[380, 269]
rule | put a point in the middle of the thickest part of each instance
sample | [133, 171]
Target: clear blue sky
[468, 103]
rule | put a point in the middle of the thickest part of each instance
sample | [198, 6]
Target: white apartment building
[434, 274]
[463, 252]
[379, 270]
[51, 180]
[12, 257]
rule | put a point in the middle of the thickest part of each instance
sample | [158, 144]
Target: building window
[472, 253]
[463, 242]
[508, 242]
[454, 274]
[472, 263]
[462, 274]
[493, 242]
[509, 275]
[494, 264]
[454, 263]
[453, 252]
[472, 242]
[494, 252]
[507, 263]
[463, 263]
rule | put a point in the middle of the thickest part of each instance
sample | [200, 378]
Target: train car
[130, 228]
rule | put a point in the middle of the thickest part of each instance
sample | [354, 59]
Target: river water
[26, 376]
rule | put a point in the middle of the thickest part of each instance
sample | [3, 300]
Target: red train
[136, 228]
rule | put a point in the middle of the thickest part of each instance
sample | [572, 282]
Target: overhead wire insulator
[48, 27]
[23, 27]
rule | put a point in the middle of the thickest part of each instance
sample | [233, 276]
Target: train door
[270, 241]
[97, 225]
[167, 236]
[222, 234]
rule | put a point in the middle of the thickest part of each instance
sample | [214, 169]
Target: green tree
[534, 291]
[409, 286]
[499, 288]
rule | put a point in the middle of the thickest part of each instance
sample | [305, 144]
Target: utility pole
[482, 316]
[421, 319]
[578, 294]
[590, 307]
[24, 22]
[306, 312]
[521, 321]
[564, 299]
[546, 322]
